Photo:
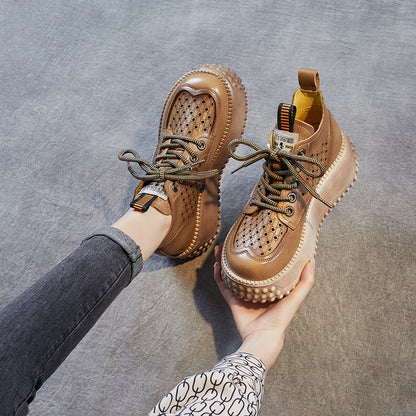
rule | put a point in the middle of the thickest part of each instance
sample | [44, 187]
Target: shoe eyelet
[175, 187]
[301, 152]
[194, 158]
[289, 211]
[292, 197]
[296, 183]
[201, 146]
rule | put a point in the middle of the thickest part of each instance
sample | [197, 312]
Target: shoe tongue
[283, 136]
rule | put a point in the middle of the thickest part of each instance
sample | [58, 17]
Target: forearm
[265, 345]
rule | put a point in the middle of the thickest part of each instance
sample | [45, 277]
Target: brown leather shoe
[308, 166]
[203, 112]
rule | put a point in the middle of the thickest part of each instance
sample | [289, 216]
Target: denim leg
[39, 328]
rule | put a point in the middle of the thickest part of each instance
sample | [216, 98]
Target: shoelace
[166, 166]
[294, 165]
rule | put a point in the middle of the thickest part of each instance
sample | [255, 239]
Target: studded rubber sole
[332, 187]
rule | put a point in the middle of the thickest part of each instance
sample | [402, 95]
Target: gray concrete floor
[82, 80]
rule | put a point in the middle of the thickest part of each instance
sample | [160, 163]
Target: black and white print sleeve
[233, 387]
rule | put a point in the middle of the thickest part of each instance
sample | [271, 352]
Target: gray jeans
[39, 328]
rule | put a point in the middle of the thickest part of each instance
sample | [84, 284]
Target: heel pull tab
[308, 79]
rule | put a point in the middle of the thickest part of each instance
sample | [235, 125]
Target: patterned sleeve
[233, 387]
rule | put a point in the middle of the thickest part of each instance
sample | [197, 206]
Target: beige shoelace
[166, 165]
[276, 177]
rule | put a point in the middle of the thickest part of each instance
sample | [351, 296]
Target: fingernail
[313, 263]
[216, 250]
[215, 265]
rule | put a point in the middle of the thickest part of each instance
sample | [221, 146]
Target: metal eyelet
[301, 152]
[295, 181]
[194, 158]
[289, 211]
[292, 197]
[175, 187]
[201, 146]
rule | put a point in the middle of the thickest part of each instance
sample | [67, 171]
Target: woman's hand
[262, 326]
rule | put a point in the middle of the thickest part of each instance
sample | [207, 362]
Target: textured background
[82, 80]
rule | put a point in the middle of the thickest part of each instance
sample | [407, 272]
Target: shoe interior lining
[308, 107]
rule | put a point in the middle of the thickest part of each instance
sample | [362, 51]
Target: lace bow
[294, 166]
[165, 166]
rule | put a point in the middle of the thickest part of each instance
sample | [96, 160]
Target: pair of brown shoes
[308, 165]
